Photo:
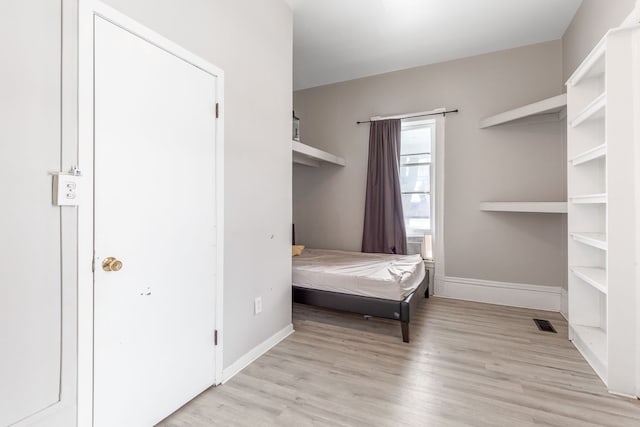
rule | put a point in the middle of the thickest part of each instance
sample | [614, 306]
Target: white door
[155, 212]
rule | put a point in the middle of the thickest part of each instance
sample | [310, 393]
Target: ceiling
[338, 40]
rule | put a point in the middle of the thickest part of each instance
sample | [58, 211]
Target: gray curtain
[384, 230]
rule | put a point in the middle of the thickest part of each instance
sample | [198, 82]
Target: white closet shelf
[594, 110]
[306, 155]
[601, 96]
[595, 153]
[590, 199]
[592, 66]
[596, 277]
[532, 207]
[597, 240]
[549, 106]
[592, 343]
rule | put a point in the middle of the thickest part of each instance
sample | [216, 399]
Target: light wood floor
[468, 364]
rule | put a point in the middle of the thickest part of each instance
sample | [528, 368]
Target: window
[416, 172]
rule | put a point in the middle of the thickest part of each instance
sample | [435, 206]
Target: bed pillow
[297, 250]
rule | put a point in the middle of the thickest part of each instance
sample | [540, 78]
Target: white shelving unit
[595, 240]
[595, 110]
[592, 343]
[594, 153]
[309, 156]
[596, 277]
[587, 199]
[548, 109]
[525, 207]
[601, 210]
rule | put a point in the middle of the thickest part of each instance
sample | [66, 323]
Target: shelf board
[306, 155]
[589, 155]
[596, 277]
[592, 343]
[589, 199]
[550, 106]
[531, 207]
[594, 110]
[592, 66]
[597, 240]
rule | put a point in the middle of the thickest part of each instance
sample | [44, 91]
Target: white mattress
[385, 276]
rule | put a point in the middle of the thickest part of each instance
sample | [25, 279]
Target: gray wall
[591, 22]
[251, 40]
[510, 163]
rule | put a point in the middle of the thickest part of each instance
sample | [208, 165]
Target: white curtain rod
[435, 112]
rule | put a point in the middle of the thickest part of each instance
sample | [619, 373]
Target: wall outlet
[65, 189]
[257, 305]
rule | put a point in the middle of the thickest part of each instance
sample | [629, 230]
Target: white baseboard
[256, 352]
[500, 293]
[564, 304]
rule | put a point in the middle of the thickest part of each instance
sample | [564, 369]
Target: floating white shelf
[594, 110]
[532, 207]
[306, 155]
[592, 343]
[597, 240]
[592, 66]
[551, 106]
[589, 199]
[595, 153]
[596, 277]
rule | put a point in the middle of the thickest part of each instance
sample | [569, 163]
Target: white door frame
[87, 11]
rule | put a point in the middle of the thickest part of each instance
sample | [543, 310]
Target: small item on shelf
[296, 128]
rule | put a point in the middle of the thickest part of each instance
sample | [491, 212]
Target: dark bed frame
[376, 307]
[369, 306]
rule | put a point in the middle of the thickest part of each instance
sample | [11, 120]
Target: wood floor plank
[468, 364]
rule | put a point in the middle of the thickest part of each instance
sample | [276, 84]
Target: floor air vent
[544, 325]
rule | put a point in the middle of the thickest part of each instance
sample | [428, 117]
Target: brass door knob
[111, 264]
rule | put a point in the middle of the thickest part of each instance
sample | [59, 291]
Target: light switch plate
[66, 189]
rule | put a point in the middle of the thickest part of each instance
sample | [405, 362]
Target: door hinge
[217, 110]
[215, 337]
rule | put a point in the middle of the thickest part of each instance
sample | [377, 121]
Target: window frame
[411, 124]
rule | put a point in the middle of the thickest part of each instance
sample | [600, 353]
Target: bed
[379, 285]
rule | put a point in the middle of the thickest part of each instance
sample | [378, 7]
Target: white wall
[521, 162]
[636, 98]
[38, 240]
[251, 40]
[30, 288]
